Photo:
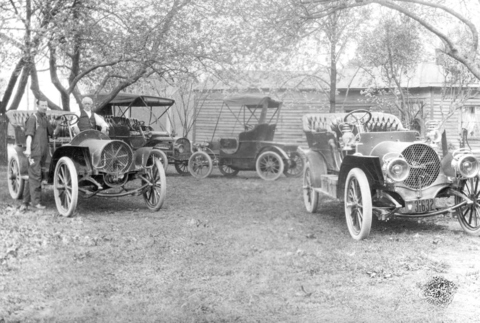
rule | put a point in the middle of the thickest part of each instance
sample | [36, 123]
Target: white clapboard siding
[209, 126]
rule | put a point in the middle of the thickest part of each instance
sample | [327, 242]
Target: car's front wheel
[358, 204]
[65, 186]
[269, 166]
[469, 215]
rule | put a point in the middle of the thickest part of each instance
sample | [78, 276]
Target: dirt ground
[227, 250]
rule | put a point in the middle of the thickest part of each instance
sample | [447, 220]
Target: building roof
[426, 75]
[251, 100]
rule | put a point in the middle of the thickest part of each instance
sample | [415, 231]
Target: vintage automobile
[90, 163]
[253, 148]
[379, 168]
[139, 121]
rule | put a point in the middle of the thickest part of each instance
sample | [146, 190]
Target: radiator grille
[116, 157]
[424, 163]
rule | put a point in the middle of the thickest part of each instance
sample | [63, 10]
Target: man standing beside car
[37, 130]
[89, 119]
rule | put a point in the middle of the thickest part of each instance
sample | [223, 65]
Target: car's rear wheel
[156, 192]
[469, 215]
[297, 164]
[358, 204]
[269, 166]
[15, 181]
[200, 164]
[228, 171]
[310, 196]
[182, 167]
[162, 157]
[65, 186]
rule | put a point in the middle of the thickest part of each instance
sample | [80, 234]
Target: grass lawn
[227, 250]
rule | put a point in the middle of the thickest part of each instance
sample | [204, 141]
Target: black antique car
[139, 121]
[90, 163]
[253, 148]
[379, 168]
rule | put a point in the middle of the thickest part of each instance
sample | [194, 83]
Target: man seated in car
[89, 119]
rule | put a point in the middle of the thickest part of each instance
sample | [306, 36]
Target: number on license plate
[419, 206]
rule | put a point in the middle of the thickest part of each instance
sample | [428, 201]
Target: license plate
[419, 206]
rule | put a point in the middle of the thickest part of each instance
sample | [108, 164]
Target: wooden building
[302, 94]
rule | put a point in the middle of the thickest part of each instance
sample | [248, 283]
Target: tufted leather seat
[320, 122]
[381, 122]
[18, 118]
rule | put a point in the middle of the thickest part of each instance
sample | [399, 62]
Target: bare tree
[466, 54]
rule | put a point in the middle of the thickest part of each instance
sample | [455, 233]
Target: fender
[275, 149]
[79, 155]
[370, 166]
[140, 156]
[318, 166]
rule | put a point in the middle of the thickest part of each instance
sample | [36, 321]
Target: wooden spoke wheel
[156, 192]
[269, 166]
[15, 182]
[162, 157]
[469, 215]
[228, 171]
[182, 167]
[200, 164]
[310, 196]
[297, 163]
[65, 186]
[358, 204]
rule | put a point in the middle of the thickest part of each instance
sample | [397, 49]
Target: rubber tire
[16, 183]
[193, 163]
[472, 212]
[310, 197]
[160, 186]
[228, 171]
[65, 172]
[299, 161]
[261, 161]
[358, 196]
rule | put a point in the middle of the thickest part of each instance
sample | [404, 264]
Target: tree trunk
[333, 62]
[11, 85]
[56, 81]
[35, 87]
[22, 84]
[3, 139]
[333, 82]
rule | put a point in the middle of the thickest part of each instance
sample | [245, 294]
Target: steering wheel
[65, 122]
[358, 119]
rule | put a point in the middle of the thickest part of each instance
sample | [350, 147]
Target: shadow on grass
[332, 210]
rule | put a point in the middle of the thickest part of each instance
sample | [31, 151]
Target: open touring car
[251, 148]
[90, 163]
[379, 168]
